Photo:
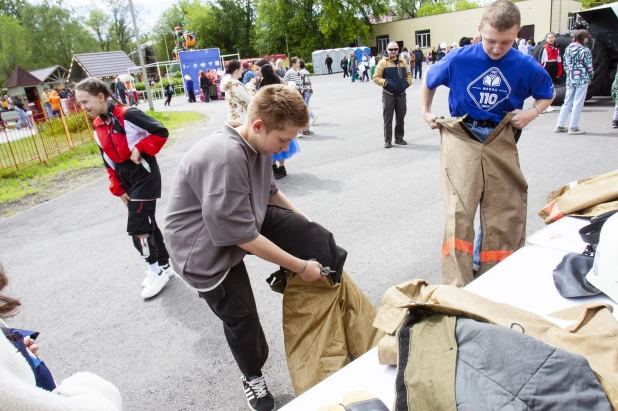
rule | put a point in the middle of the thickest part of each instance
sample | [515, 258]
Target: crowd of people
[51, 104]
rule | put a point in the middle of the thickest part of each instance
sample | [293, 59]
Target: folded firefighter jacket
[326, 324]
[449, 363]
[432, 319]
[589, 197]
[487, 173]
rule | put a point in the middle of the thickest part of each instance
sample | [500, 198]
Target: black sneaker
[387, 144]
[401, 142]
[258, 396]
[615, 123]
[281, 173]
[276, 171]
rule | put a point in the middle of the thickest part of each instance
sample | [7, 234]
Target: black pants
[168, 100]
[366, 75]
[552, 69]
[233, 301]
[330, 68]
[206, 95]
[191, 96]
[393, 105]
[345, 72]
[418, 69]
[141, 220]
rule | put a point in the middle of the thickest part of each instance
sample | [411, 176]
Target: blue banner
[191, 62]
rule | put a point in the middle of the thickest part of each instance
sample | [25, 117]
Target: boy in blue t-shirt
[488, 82]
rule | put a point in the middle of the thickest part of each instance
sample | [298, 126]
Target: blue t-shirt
[486, 89]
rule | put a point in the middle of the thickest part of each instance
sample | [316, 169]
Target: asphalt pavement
[79, 278]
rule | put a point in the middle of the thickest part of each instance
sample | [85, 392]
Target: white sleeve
[544, 57]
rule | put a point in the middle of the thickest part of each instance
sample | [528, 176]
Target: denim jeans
[307, 97]
[354, 73]
[573, 100]
[482, 133]
[616, 112]
[23, 118]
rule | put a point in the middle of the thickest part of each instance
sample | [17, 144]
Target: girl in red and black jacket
[129, 139]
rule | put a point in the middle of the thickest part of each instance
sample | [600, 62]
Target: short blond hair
[280, 107]
[502, 15]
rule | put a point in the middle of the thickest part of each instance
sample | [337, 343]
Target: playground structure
[184, 41]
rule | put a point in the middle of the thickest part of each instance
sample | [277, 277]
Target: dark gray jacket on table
[449, 363]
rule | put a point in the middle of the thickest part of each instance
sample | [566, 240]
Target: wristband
[537, 109]
[304, 266]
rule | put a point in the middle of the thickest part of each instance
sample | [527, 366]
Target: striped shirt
[293, 75]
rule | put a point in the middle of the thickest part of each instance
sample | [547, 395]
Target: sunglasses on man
[393, 49]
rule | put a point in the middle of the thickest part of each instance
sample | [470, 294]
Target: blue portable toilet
[358, 52]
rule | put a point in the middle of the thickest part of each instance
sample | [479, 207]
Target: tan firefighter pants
[487, 173]
[325, 326]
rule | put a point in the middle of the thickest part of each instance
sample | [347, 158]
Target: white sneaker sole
[170, 273]
[151, 292]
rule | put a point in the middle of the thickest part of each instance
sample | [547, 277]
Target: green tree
[466, 5]
[429, 9]
[100, 23]
[14, 47]
[120, 25]
[163, 32]
[11, 8]
[307, 25]
[56, 34]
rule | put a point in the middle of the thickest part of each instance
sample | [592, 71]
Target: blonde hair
[279, 107]
[502, 15]
[278, 64]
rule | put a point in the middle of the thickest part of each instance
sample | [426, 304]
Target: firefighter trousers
[488, 173]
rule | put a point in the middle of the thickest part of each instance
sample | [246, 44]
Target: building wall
[560, 13]
[450, 27]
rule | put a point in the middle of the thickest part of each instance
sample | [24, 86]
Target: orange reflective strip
[553, 211]
[487, 256]
[457, 244]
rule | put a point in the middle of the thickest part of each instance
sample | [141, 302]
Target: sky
[149, 10]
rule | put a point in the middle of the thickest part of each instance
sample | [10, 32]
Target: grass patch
[175, 119]
[34, 179]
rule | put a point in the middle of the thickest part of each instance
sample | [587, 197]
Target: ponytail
[94, 87]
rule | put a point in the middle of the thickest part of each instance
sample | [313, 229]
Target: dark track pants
[233, 301]
[393, 105]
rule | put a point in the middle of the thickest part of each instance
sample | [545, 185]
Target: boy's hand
[312, 273]
[430, 119]
[136, 156]
[125, 199]
[523, 117]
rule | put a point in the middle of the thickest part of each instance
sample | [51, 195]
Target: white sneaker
[154, 284]
[169, 271]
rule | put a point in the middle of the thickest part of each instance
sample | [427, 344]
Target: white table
[561, 235]
[523, 280]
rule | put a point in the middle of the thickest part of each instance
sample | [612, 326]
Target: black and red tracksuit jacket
[129, 128]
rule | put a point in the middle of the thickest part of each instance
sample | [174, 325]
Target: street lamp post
[141, 57]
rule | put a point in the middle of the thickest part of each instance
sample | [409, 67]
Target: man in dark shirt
[329, 64]
[418, 62]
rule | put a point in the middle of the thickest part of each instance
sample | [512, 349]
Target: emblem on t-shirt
[489, 89]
